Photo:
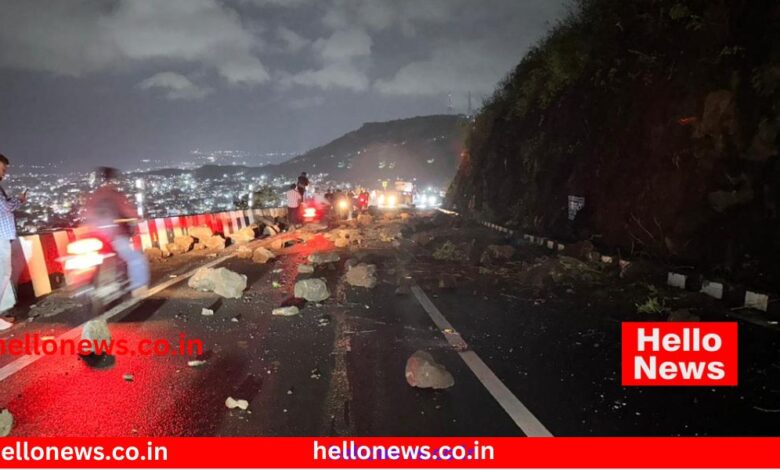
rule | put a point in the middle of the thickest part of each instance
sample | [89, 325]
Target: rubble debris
[95, 332]
[271, 229]
[232, 403]
[341, 243]
[405, 216]
[154, 255]
[201, 233]
[316, 374]
[323, 258]
[6, 422]
[221, 281]
[422, 371]
[245, 235]
[128, 377]
[207, 312]
[196, 363]
[305, 269]
[324, 320]
[215, 242]
[365, 219]
[184, 242]
[199, 246]
[174, 249]
[286, 311]
[313, 290]
[276, 284]
[448, 251]
[244, 252]
[682, 314]
[361, 275]
[262, 255]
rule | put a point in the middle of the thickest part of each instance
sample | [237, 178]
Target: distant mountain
[425, 148]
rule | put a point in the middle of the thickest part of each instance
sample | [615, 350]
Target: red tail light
[310, 213]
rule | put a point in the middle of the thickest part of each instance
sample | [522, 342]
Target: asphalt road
[338, 367]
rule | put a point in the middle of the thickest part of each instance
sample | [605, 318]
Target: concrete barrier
[37, 270]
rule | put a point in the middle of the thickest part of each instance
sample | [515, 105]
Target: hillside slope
[427, 148]
[663, 114]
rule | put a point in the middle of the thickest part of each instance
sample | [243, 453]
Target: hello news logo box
[675, 354]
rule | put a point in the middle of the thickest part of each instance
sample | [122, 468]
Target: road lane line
[23, 361]
[520, 414]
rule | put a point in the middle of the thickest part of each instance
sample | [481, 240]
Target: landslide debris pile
[664, 115]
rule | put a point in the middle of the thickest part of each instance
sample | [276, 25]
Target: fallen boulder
[245, 235]
[422, 371]
[262, 255]
[341, 243]
[184, 243]
[365, 219]
[324, 258]
[286, 311]
[201, 232]
[6, 423]
[244, 252]
[95, 332]
[174, 249]
[221, 281]
[362, 275]
[199, 246]
[448, 251]
[313, 290]
[154, 255]
[271, 230]
[215, 242]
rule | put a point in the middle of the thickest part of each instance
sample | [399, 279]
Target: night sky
[116, 81]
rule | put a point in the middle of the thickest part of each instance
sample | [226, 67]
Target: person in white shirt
[294, 200]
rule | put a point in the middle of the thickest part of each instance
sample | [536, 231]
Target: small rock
[244, 252]
[324, 258]
[286, 311]
[196, 363]
[262, 255]
[313, 290]
[128, 377]
[362, 275]
[207, 312]
[423, 371]
[305, 269]
[6, 423]
[232, 403]
[95, 331]
[315, 374]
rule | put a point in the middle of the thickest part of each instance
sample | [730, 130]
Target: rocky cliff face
[663, 115]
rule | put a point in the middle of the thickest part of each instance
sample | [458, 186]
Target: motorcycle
[93, 270]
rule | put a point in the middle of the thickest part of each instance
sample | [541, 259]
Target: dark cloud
[259, 75]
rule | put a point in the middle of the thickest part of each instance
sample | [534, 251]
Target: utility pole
[449, 103]
[470, 110]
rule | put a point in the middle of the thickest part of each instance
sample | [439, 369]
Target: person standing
[7, 235]
[294, 198]
[303, 182]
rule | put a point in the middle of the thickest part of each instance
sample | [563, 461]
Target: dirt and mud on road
[390, 324]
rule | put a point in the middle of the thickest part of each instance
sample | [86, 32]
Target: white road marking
[520, 414]
[23, 361]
